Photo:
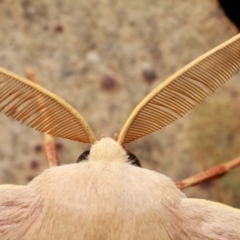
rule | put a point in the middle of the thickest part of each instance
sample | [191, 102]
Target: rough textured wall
[95, 54]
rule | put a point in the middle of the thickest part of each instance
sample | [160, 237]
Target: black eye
[133, 159]
[83, 156]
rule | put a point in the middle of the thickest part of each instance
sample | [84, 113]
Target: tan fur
[100, 199]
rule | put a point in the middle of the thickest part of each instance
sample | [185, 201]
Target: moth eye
[83, 156]
[133, 159]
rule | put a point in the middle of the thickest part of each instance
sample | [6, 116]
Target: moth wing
[202, 219]
[19, 208]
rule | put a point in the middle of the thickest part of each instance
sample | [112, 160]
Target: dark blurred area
[232, 10]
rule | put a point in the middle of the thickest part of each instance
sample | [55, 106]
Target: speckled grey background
[93, 53]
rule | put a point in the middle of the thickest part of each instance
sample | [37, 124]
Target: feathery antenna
[40, 109]
[180, 92]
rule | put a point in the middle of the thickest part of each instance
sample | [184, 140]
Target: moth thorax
[107, 150]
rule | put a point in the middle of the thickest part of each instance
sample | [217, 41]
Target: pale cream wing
[20, 208]
[40, 109]
[180, 92]
[202, 219]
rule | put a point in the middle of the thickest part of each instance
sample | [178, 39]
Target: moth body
[105, 195]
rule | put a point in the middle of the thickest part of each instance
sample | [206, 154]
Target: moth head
[108, 150]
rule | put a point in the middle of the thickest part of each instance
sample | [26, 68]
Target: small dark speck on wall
[34, 164]
[108, 83]
[59, 146]
[38, 148]
[59, 28]
[149, 75]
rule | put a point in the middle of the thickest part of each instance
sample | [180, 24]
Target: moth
[106, 195]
